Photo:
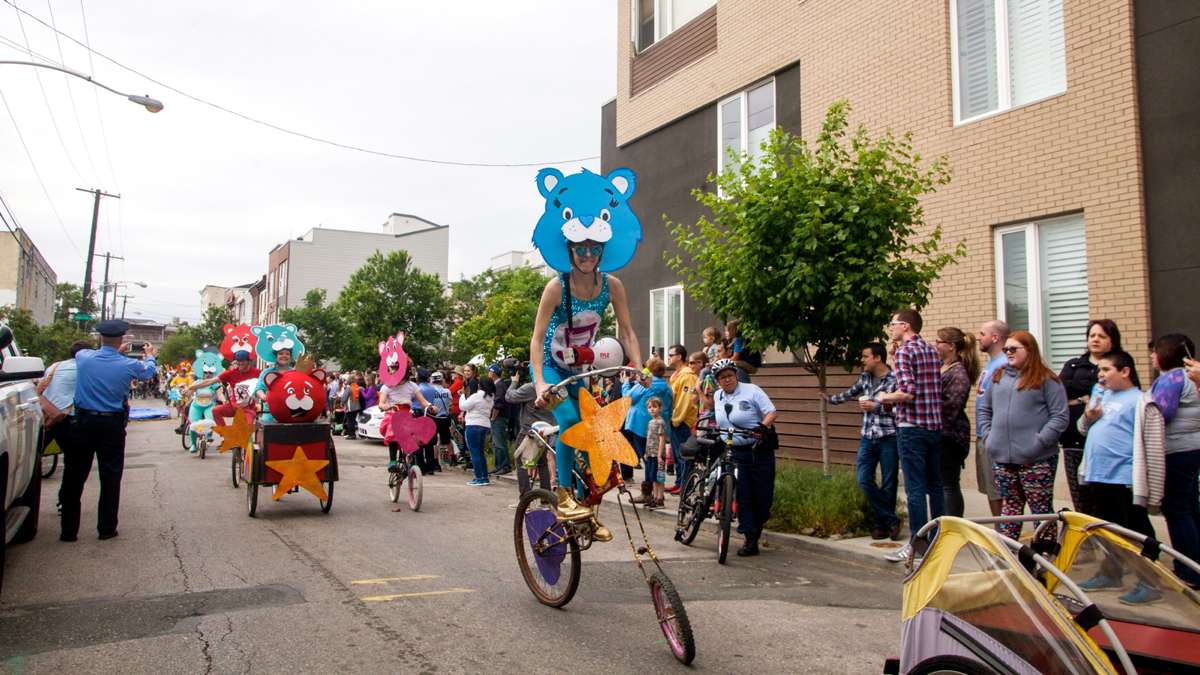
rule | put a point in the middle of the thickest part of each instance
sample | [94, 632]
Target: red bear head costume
[238, 338]
[295, 396]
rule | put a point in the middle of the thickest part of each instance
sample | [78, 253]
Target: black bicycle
[710, 488]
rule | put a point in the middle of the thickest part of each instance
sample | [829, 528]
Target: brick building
[1065, 124]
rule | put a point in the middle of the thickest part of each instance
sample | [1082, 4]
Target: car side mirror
[6, 337]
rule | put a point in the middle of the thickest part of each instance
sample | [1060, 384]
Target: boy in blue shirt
[1108, 422]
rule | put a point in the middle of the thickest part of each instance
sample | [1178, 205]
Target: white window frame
[743, 98]
[1033, 270]
[666, 290]
[1003, 68]
[663, 19]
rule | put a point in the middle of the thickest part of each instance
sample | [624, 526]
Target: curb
[779, 540]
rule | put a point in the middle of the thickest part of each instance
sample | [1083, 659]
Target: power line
[37, 173]
[71, 95]
[112, 170]
[49, 109]
[300, 134]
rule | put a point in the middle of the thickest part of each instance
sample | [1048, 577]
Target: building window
[283, 281]
[666, 319]
[654, 20]
[744, 122]
[1006, 53]
[1041, 284]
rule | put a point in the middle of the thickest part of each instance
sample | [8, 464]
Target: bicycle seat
[545, 429]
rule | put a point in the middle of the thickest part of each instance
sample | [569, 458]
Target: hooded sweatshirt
[1022, 426]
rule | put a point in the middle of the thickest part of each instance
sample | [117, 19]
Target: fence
[795, 394]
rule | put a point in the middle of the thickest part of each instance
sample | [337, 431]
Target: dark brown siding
[794, 392]
[697, 38]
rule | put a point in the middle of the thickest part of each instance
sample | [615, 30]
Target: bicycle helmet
[721, 365]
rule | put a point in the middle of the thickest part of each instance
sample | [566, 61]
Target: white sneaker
[901, 555]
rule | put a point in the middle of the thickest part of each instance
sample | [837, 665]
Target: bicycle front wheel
[691, 509]
[415, 488]
[394, 486]
[672, 618]
[185, 438]
[546, 552]
[726, 517]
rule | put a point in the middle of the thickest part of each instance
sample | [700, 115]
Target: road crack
[171, 536]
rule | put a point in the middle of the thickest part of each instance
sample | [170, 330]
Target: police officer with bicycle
[98, 425]
[746, 406]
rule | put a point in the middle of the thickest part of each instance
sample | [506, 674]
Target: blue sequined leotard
[585, 325]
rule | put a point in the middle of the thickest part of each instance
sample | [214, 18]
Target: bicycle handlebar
[601, 372]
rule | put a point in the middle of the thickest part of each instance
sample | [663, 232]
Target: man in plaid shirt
[878, 444]
[918, 411]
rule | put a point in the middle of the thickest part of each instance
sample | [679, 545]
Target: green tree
[50, 343]
[182, 345]
[814, 247]
[385, 295]
[324, 332]
[69, 297]
[211, 329]
[504, 319]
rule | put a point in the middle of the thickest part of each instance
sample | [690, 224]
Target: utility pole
[124, 303]
[87, 272]
[104, 289]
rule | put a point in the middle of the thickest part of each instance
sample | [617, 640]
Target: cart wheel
[328, 502]
[547, 552]
[46, 473]
[251, 498]
[726, 517]
[185, 438]
[394, 486]
[672, 618]
[202, 441]
[951, 665]
[415, 488]
[236, 465]
[691, 509]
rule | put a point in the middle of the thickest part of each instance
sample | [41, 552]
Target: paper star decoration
[299, 470]
[237, 434]
[599, 435]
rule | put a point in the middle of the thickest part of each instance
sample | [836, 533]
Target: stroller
[980, 602]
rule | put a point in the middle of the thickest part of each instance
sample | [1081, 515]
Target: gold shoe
[599, 531]
[568, 508]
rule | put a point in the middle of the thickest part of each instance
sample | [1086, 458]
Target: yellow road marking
[397, 596]
[388, 580]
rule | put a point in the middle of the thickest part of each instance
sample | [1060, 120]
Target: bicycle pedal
[642, 550]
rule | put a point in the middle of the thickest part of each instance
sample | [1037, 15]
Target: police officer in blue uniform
[98, 426]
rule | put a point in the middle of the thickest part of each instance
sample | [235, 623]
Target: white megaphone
[608, 352]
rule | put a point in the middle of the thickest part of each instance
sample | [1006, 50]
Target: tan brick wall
[1077, 151]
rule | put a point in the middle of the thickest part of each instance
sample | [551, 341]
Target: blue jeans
[475, 437]
[500, 444]
[920, 455]
[679, 435]
[1181, 509]
[881, 452]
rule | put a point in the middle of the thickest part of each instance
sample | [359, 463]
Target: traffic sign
[80, 316]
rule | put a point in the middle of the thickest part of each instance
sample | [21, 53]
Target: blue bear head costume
[207, 364]
[587, 207]
[274, 337]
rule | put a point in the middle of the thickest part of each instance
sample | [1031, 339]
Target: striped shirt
[919, 373]
[878, 423]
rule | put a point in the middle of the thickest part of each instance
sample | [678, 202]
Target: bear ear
[319, 375]
[270, 378]
[257, 330]
[400, 338]
[625, 180]
[547, 180]
[229, 328]
[199, 354]
[383, 348]
[291, 327]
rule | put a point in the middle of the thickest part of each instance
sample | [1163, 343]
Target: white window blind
[1006, 53]
[666, 318]
[654, 20]
[1042, 284]
[745, 121]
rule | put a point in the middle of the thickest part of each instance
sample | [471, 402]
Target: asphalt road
[193, 585]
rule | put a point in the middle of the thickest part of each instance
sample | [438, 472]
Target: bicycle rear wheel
[46, 473]
[415, 488]
[672, 618]
[394, 486]
[202, 441]
[691, 509]
[185, 438]
[726, 517]
[235, 465]
[547, 554]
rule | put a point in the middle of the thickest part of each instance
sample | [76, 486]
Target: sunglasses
[588, 251]
[1011, 350]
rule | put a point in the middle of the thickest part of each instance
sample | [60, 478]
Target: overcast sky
[205, 195]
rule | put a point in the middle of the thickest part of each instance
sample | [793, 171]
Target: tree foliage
[813, 247]
[69, 297]
[50, 343]
[385, 295]
[211, 330]
[504, 317]
[324, 332]
[182, 345]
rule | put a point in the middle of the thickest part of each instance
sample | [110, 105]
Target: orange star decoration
[235, 435]
[299, 470]
[599, 434]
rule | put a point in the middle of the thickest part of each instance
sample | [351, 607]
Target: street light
[113, 285]
[151, 104]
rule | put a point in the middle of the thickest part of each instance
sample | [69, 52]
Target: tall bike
[548, 546]
[709, 490]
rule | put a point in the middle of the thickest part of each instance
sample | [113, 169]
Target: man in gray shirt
[524, 394]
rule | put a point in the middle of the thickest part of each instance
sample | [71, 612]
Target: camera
[513, 366]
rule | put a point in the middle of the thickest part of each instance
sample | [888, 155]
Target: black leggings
[951, 464]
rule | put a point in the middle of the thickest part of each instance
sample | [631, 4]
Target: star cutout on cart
[299, 470]
[237, 434]
[599, 434]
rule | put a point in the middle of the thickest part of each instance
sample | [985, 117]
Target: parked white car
[368, 424]
[20, 444]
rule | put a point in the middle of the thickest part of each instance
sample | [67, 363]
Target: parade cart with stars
[290, 457]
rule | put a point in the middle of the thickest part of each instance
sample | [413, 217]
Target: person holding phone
[1177, 397]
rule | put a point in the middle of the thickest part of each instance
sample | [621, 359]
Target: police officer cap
[112, 328]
